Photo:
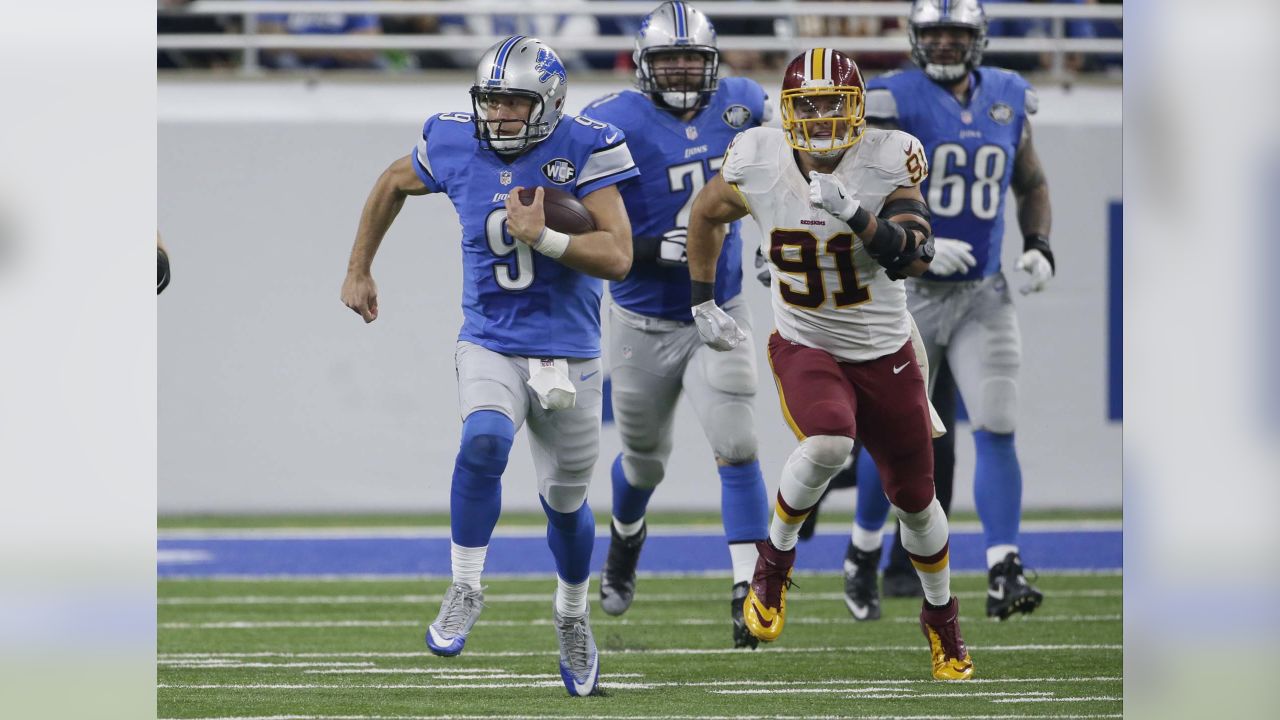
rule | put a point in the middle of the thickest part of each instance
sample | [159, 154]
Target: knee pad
[486, 442]
[642, 473]
[564, 498]
[998, 408]
[732, 432]
[827, 450]
[731, 372]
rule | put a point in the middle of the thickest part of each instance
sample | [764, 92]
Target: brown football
[565, 213]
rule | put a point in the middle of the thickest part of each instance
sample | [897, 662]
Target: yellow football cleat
[941, 628]
[765, 607]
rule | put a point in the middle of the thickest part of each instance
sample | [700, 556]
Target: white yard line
[601, 622]
[664, 651]
[548, 576]
[536, 598]
[655, 717]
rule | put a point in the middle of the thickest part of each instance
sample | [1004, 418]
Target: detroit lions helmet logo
[737, 116]
[547, 64]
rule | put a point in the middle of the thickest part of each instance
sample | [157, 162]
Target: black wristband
[701, 292]
[1036, 241]
[860, 220]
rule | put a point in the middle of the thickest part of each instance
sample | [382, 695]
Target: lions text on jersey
[516, 301]
[970, 149]
[676, 159]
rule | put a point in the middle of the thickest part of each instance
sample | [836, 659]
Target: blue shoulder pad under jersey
[971, 151]
[516, 301]
[676, 158]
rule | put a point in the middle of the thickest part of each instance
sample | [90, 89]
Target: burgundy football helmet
[823, 102]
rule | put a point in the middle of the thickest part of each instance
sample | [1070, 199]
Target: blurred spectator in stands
[170, 20]
[546, 27]
[416, 25]
[1110, 29]
[1038, 28]
[321, 24]
[744, 61]
[817, 26]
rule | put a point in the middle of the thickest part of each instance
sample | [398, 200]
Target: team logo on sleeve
[560, 171]
[504, 177]
[737, 116]
[1001, 113]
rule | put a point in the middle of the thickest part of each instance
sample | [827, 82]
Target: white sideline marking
[1108, 698]
[538, 622]
[656, 717]
[537, 598]
[894, 693]
[690, 651]
[196, 664]
[550, 576]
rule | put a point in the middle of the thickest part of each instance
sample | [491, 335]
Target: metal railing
[250, 41]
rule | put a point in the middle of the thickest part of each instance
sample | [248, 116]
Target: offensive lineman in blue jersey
[529, 346]
[975, 126]
[679, 125]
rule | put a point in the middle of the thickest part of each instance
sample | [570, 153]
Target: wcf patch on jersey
[559, 171]
[737, 116]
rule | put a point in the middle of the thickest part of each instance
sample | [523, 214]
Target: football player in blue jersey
[975, 125]
[529, 348]
[679, 123]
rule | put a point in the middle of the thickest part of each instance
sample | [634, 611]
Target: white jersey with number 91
[828, 292]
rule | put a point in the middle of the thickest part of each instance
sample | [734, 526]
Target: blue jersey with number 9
[516, 301]
[970, 150]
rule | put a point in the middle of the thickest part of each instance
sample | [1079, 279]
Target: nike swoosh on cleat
[587, 376]
[860, 612]
[996, 595]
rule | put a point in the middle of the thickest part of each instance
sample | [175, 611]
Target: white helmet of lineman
[675, 27]
[963, 14]
[522, 67]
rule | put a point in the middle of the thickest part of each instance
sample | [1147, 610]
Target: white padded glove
[828, 193]
[717, 328]
[1037, 265]
[951, 256]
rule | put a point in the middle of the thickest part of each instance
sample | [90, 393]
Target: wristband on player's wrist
[1037, 241]
[551, 243]
[701, 292]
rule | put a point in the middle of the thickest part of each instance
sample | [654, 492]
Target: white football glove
[718, 330]
[951, 256]
[828, 193]
[1037, 265]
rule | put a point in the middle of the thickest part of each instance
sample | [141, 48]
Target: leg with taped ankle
[925, 536]
[475, 495]
[804, 478]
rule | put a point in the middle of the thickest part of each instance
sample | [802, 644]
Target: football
[564, 212]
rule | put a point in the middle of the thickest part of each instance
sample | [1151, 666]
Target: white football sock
[744, 557]
[924, 534]
[571, 598]
[997, 553]
[626, 530]
[867, 540]
[467, 564]
[804, 478]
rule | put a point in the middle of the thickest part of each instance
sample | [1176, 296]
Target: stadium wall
[274, 397]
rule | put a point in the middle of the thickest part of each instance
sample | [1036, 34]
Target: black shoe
[742, 637]
[861, 594]
[902, 583]
[618, 579]
[1008, 591]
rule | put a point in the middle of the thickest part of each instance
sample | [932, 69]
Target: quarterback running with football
[529, 348]
[840, 208]
[678, 126]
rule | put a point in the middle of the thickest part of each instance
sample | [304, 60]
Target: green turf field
[354, 649]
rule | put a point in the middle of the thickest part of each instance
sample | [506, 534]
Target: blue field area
[694, 553]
